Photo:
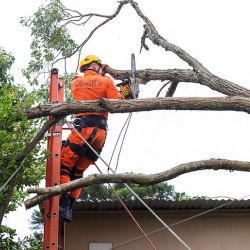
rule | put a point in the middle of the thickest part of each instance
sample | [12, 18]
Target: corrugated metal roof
[163, 205]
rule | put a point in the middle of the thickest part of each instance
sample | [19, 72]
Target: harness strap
[81, 150]
[90, 121]
[65, 170]
[76, 174]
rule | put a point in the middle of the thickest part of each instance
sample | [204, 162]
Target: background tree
[102, 192]
[14, 136]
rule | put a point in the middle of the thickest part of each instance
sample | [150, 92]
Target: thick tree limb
[144, 180]
[204, 76]
[148, 104]
[186, 75]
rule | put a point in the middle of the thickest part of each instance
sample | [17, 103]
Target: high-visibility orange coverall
[76, 156]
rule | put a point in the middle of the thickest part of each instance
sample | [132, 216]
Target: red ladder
[54, 228]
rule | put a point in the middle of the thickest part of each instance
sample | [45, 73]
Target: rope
[12, 176]
[132, 191]
[118, 157]
[127, 120]
[130, 214]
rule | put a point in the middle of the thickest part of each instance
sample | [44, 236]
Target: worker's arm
[112, 91]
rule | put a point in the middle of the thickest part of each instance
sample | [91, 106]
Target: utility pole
[53, 226]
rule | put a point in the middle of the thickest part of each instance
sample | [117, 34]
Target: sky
[214, 32]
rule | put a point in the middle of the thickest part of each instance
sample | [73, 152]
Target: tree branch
[205, 77]
[108, 18]
[185, 75]
[172, 89]
[137, 105]
[144, 180]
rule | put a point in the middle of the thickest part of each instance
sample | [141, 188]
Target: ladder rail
[52, 224]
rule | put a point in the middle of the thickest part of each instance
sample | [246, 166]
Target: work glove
[126, 91]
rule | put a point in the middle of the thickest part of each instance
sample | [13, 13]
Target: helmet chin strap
[97, 71]
[93, 68]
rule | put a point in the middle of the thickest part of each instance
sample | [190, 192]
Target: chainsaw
[131, 81]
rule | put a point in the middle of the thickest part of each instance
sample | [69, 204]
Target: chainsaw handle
[123, 83]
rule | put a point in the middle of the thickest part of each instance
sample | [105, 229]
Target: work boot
[64, 209]
[71, 202]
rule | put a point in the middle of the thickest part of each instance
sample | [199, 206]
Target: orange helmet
[87, 60]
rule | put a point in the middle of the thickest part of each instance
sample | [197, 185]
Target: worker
[76, 156]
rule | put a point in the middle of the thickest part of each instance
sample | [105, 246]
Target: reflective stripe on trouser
[72, 164]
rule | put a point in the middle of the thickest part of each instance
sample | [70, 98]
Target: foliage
[14, 136]
[32, 242]
[42, 93]
[6, 60]
[8, 242]
[7, 236]
[36, 220]
[16, 132]
[51, 38]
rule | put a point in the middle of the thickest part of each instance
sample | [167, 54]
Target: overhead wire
[177, 223]
[130, 189]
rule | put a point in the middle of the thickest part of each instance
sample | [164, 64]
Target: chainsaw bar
[131, 81]
[133, 85]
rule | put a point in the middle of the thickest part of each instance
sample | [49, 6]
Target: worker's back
[93, 86]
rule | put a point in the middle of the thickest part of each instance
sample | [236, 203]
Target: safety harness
[95, 121]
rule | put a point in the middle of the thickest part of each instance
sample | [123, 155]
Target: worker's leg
[68, 159]
[89, 158]
[82, 164]
[76, 162]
